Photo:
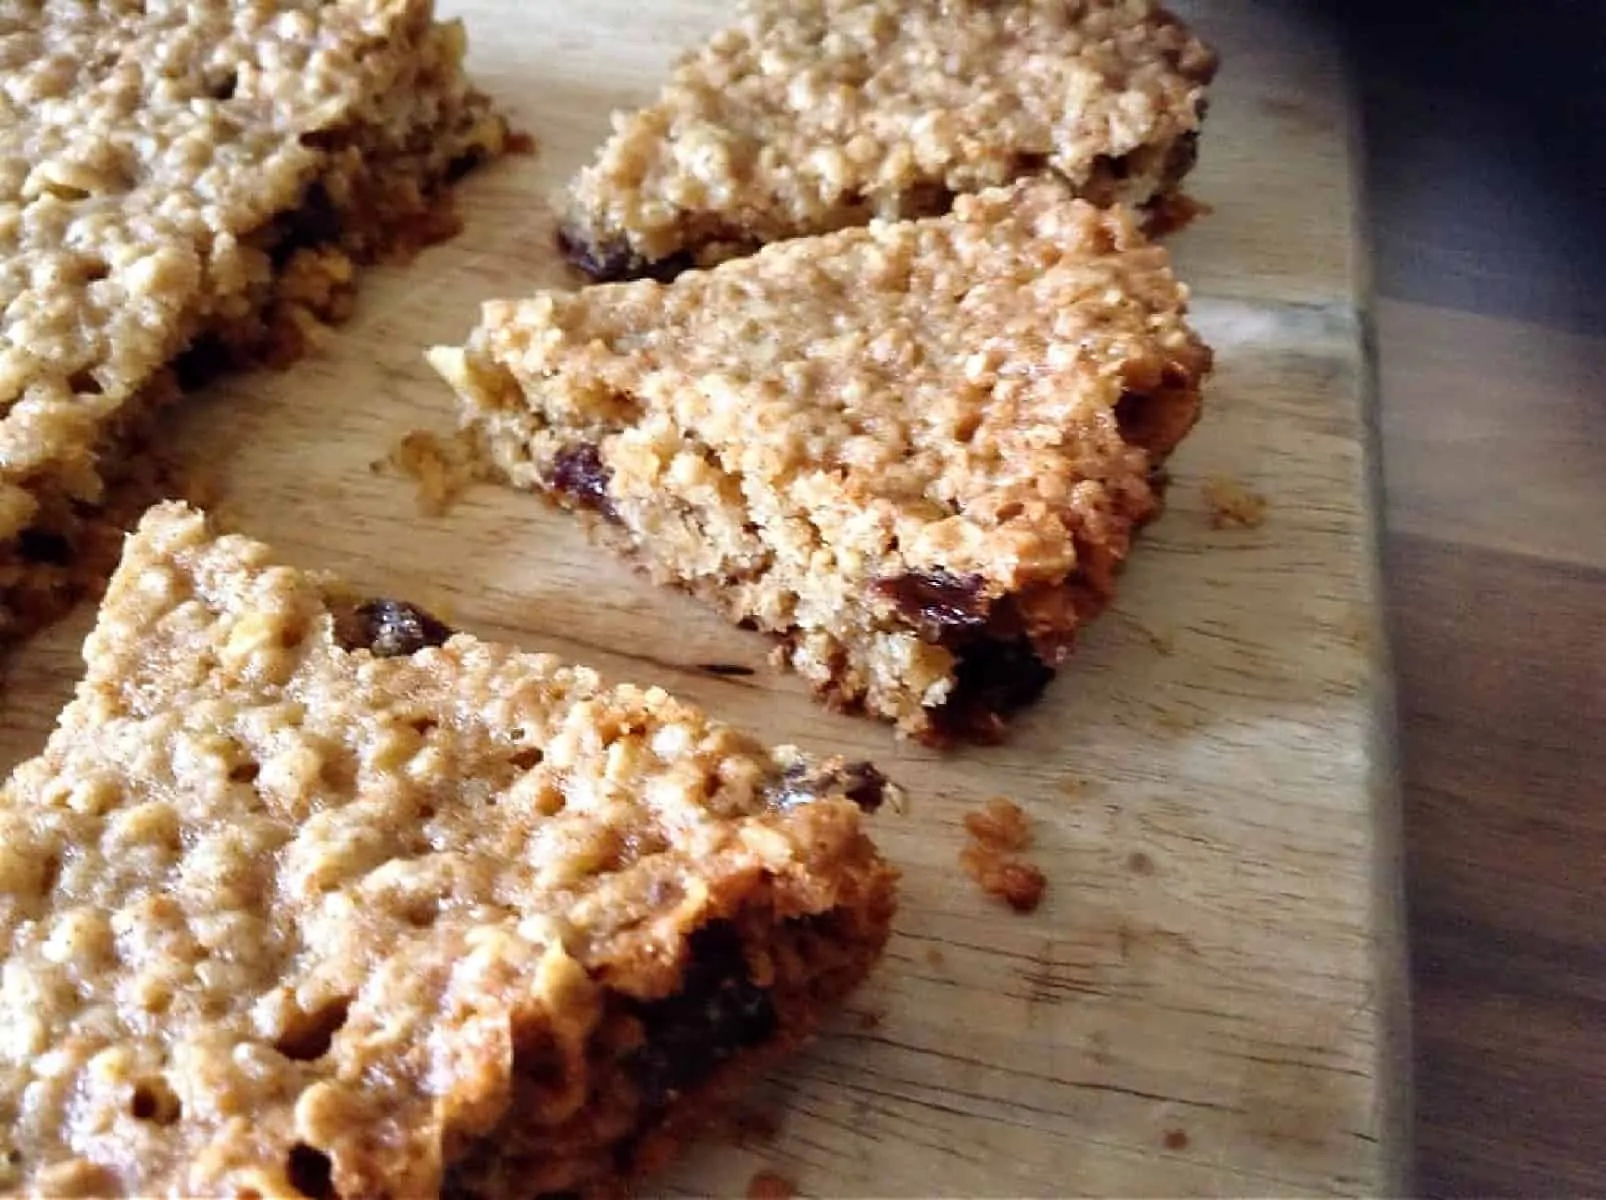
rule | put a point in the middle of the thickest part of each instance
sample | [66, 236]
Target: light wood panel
[1502, 685]
[1492, 430]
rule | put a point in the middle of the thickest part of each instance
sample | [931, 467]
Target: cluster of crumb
[441, 467]
[770, 1185]
[311, 897]
[992, 855]
[806, 116]
[182, 187]
[1231, 503]
[883, 445]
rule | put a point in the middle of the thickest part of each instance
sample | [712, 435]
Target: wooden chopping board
[1209, 1000]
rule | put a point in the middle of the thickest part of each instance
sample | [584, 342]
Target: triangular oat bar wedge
[916, 452]
[307, 897]
[809, 115]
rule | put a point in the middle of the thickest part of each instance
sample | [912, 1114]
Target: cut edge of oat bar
[993, 645]
[504, 1039]
[607, 246]
[393, 200]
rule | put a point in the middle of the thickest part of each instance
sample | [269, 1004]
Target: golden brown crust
[183, 187]
[284, 912]
[887, 445]
[805, 116]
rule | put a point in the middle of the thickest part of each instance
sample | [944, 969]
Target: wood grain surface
[1209, 1000]
[1486, 170]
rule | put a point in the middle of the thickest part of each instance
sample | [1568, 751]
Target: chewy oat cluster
[309, 896]
[185, 185]
[914, 452]
[805, 116]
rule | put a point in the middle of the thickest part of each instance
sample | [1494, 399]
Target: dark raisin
[860, 782]
[314, 223]
[579, 473]
[717, 1013]
[463, 164]
[84, 383]
[991, 679]
[864, 785]
[155, 1101]
[206, 359]
[926, 200]
[309, 1036]
[1179, 160]
[526, 758]
[1138, 419]
[936, 602]
[335, 138]
[45, 547]
[225, 87]
[389, 628]
[611, 262]
[310, 1172]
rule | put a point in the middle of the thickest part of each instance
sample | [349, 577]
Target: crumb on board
[871, 1018]
[519, 142]
[934, 957]
[1176, 1139]
[1172, 213]
[991, 858]
[1001, 825]
[441, 466]
[767, 1185]
[1229, 502]
[1013, 880]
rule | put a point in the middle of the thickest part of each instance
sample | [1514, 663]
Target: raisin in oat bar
[184, 186]
[915, 451]
[806, 116]
[308, 896]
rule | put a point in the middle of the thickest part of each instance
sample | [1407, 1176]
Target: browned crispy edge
[70, 548]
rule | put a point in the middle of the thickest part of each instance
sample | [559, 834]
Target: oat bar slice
[914, 451]
[806, 116]
[310, 896]
[185, 186]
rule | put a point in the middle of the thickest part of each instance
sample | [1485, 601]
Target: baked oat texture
[805, 116]
[915, 451]
[184, 185]
[286, 918]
